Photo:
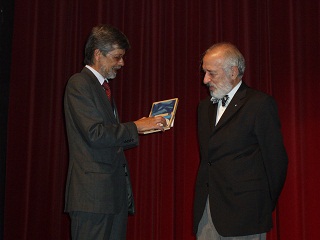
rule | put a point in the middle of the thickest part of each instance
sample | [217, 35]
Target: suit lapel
[98, 89]
[212, 114]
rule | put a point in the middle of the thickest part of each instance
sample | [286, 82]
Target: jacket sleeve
[267, 129]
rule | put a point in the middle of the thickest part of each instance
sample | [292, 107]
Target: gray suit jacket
[96, 179]
[243, 163]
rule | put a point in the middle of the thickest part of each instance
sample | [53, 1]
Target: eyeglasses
[117, 58]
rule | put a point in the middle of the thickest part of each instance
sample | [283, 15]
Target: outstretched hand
[150, 123]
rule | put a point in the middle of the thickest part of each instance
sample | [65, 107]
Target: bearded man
[243, 160]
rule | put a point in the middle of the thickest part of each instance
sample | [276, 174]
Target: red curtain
[280, 41]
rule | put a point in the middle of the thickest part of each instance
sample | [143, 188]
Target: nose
[121, 62]
[206, 78]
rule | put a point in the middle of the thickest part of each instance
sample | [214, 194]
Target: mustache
[117, 67]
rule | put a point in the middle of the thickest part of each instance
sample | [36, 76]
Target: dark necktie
[107, 89]
[223, 100]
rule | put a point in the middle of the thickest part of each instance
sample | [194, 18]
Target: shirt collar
[233, 91]
[97, 74]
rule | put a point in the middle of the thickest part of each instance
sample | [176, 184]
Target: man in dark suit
[243, 160]
[98, 189]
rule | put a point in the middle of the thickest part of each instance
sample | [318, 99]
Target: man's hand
[150, 123]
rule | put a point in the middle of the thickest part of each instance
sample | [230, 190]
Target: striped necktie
[107, 89]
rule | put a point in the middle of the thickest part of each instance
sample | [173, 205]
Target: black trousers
[97, 226]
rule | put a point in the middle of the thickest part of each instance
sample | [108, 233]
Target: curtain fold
[280, 41]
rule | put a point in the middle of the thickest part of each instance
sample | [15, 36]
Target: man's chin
[112, 75]
[215, 95]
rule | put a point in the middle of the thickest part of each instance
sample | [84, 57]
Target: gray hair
[105, 38]
[232, 57]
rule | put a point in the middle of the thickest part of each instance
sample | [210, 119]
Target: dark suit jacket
[96, 179]
[243, 163]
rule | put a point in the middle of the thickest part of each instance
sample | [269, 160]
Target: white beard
[220, 91]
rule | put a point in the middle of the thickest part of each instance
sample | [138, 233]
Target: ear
[234, 72]
[97, 55]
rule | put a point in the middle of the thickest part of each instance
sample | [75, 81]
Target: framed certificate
[165, 108]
